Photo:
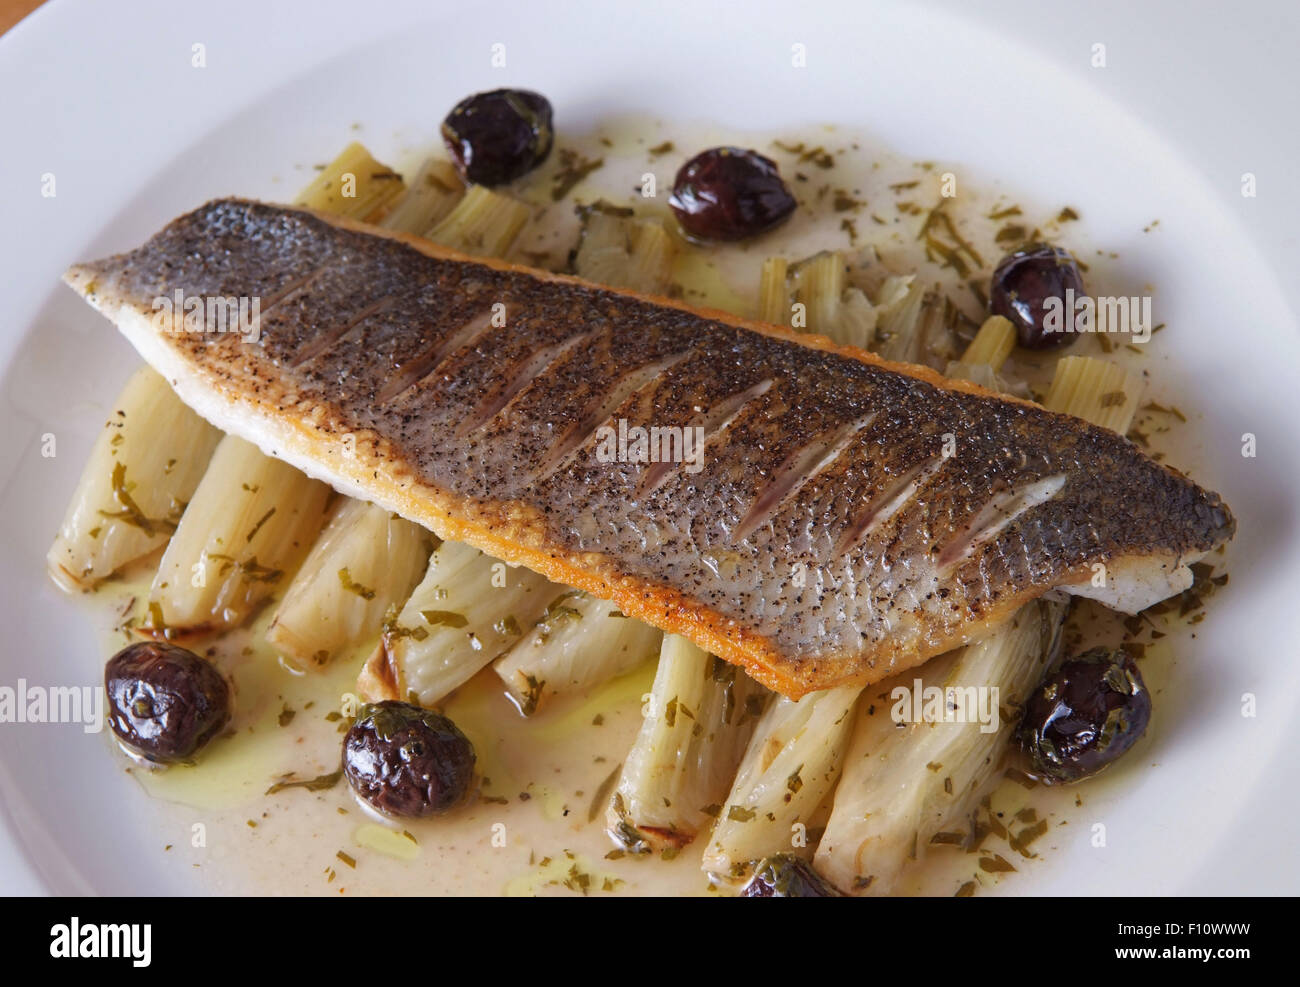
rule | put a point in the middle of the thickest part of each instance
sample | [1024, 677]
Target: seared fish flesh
[839, 519]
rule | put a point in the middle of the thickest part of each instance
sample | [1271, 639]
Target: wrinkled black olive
[165, 702]
[498, 136]
[1085, 713]
[1021, 286]
[407, 761]
[729, 193]
[784, 876]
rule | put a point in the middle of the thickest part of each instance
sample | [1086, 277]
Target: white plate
[104, 97]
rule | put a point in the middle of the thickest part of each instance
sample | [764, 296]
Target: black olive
[407, 761]
[729, 193]
[784, 876]
[1085, 713]
[165, 702]
[498, 136]
[1021, 286]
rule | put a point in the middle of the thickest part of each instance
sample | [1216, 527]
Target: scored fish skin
[865, 549]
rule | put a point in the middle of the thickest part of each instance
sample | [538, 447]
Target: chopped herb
[249, 571]
[532, 695]
[154, 621]
[818, 156]
[843, 201]
[573, 169]
[260, 521]
[1020, 778]
[738, 813]
[1021, 841]
[1152, 406]
[444, 618]
[938, 215]
[996, 864]
[670, 712]
[1009, 235]
[937, 251]
[556, 610]
[602, 794]
[131, 513]
[350, 861]
[365, 592]
[794, 782]
[628, 835]
[317, 784]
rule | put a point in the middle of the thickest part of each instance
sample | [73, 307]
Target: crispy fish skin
[849, 518]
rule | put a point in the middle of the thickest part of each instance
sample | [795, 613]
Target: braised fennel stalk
[433, 193]
[364, 561]
[901, 321]
[484, 222]
[251, 521]
[790, 766]
[812, 296]
[695, 724]
[467, 611]
[617, 249]
[581, 641]
[355, 186]
[906, 784]
[141, 473]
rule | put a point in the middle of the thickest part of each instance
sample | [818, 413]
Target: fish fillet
[848, 518]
